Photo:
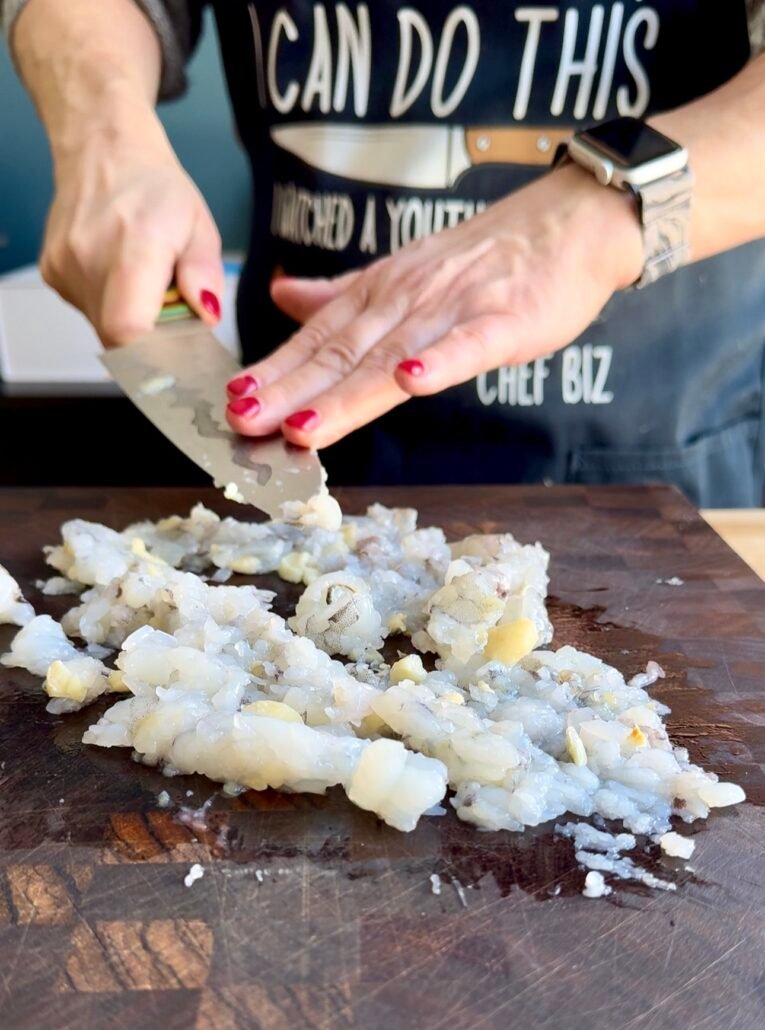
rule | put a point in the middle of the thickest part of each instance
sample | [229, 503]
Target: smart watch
[630, 155]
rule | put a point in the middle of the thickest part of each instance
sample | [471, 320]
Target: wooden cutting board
[312, 913]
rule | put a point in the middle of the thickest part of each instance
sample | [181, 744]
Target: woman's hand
[519, 281]
[125, 217]
[125, 220]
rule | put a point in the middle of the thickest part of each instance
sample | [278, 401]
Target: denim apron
[371, 125]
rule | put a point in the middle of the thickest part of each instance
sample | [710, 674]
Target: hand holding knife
[177, 376]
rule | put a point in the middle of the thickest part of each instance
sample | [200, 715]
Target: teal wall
[200, 126]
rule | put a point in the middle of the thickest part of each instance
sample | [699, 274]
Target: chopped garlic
[350, 533]
[295, 566]
[151, 387]
[60, 682]
[457, 568]
[319, 512]
[247, 565]
[372, 726]
[169, 524]
[397, 623]
[273, 710]
[453, 698]
[233, 493]
[595, 886]
[138, 547]
[637, 738]
[575, 747]
[13, 608]
[511, 642]
[196, 872]
[718, 795]
[117, 682]
[408, 668]
[676, 846]
[57, 586]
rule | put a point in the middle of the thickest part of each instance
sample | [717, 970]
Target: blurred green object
[200, 126]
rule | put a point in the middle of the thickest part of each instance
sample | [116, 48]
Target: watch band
[664, 207]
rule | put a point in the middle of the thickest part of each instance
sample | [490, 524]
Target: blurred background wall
[200, 127]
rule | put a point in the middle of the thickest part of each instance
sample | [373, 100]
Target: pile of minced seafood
[209, 680]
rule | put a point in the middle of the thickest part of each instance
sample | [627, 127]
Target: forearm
[724, 133]
[93, 70]
[125, 218]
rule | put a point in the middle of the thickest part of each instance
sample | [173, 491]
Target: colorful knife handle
[174, 307]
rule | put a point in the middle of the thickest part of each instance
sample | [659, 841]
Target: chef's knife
[177, 375]
[425, 157]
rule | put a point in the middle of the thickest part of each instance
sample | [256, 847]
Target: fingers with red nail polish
[199, 272]
[242, 385]
[210, 303]
[244, 407]
[412, 367]
[304, 420]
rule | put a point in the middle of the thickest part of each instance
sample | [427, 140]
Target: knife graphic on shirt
[424, 157]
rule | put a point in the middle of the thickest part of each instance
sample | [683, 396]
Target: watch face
[629, 142]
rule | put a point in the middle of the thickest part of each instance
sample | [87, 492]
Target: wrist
[92, 70]
[608, 224]
[118, 124]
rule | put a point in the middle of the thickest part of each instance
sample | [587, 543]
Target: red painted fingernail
[242, 385]
[308, 419]
[412, 367]
[210, 303]
[245, 406]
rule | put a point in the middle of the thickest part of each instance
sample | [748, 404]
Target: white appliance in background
[45, 340]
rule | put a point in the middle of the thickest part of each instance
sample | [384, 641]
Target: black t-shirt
[371, 125]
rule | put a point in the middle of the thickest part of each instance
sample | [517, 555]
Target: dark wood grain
[97, 928]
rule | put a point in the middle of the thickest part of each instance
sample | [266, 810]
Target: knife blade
[431, 157]
[176, 375]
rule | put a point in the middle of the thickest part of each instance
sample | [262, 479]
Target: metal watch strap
[664, 208]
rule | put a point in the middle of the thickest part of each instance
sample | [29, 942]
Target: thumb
[302, 298]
